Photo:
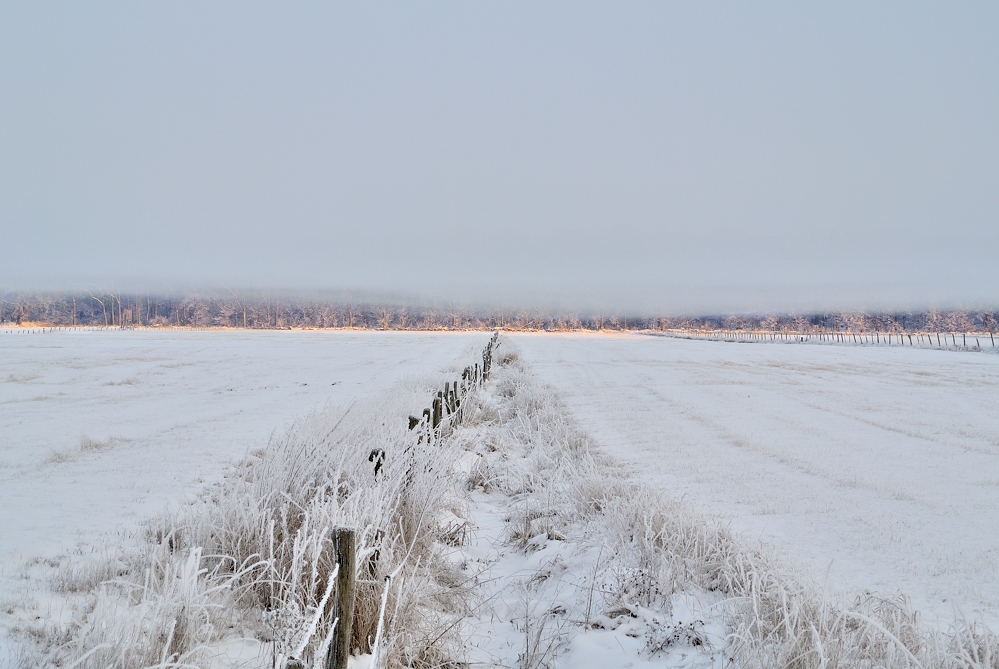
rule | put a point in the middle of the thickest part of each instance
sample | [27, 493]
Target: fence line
[17, 329]
[20, 329]
[969, 341]
[9, 328]
[445, 408]
[954, 341]
[445, 411]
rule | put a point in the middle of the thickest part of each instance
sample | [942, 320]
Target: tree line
[280, 311]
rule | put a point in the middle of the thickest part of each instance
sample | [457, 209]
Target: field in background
[874, 468]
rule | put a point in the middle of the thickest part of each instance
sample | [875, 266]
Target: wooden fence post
[377, 456]
[343, 606]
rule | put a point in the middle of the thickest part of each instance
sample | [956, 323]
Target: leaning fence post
[343, 606]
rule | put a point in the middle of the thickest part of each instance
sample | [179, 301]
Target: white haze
[645, 157]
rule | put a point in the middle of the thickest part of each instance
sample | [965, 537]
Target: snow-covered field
[872, 468]
[100, 430]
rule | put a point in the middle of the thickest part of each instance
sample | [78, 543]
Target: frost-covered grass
[514, 540]
[203, 401]
[254, 556]
[653, 547]
[870, 468]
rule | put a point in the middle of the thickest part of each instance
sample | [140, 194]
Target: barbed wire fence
[959, 341]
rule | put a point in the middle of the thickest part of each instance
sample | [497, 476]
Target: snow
[869, 468]
[545, 597]
[163, 413]
[559, 580]
[872, 469]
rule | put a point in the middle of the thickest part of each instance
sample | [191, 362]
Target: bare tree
[103, 307]
[989, 322]
[240, 304]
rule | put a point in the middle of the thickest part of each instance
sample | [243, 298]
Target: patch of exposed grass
[86, 445]
[22, 378]
[131, 381]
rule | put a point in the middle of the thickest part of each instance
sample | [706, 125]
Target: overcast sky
[661, 156]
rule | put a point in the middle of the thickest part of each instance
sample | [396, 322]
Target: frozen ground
[872, 468]
[162, 413]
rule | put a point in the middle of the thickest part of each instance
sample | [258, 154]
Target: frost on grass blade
[253, 558]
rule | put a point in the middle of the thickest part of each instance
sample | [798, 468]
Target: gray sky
[661, 156]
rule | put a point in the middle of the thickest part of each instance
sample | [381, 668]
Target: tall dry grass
[657, 546]
[254, 556]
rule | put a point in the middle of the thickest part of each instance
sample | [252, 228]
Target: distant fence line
[21, 329]
[967, 341]
[961, 341]
[446, 407]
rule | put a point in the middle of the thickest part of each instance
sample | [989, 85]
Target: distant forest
[123, 310]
